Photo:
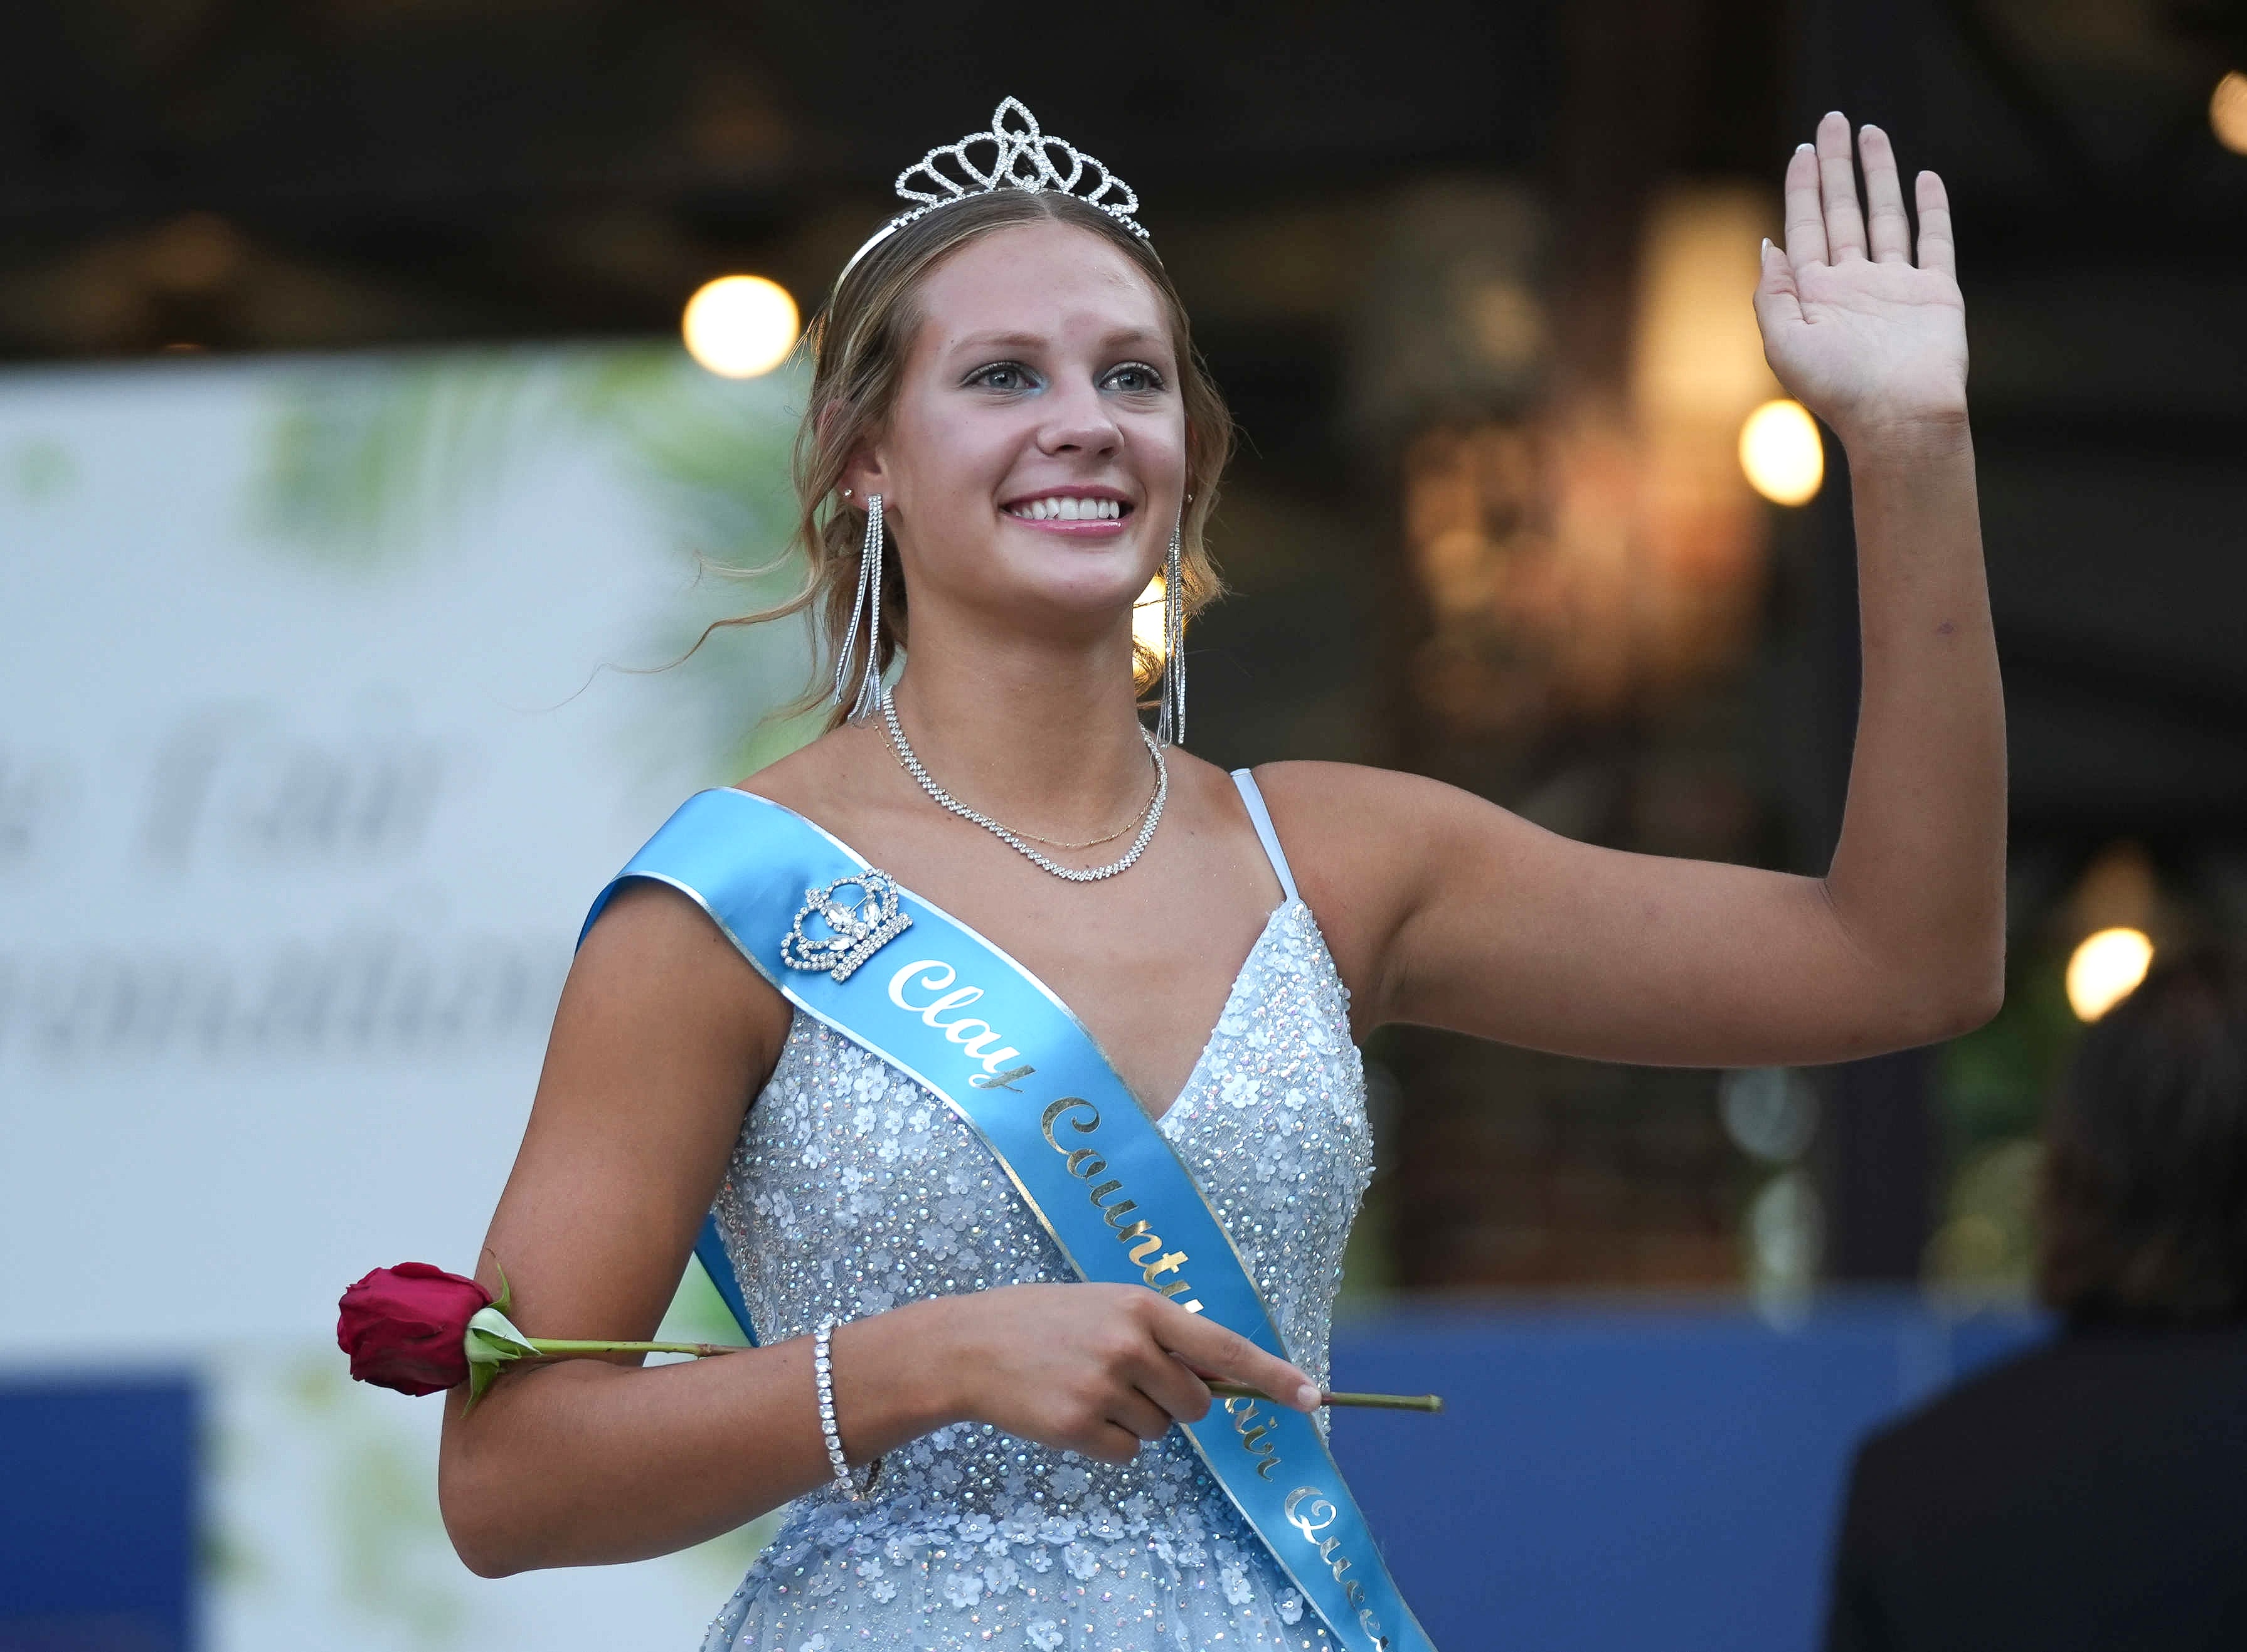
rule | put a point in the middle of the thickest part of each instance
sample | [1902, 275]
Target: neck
[1043, 737]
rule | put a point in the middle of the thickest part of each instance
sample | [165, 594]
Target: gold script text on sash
[1255, 1430]
[1140, 1240]
[1310, 1513]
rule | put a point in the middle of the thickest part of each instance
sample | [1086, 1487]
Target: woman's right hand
[1098, 1369]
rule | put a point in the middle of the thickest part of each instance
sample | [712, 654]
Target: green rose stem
[567, 1345]
[1430, 1402]
[492, 1343]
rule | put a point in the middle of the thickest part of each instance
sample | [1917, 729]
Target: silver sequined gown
[853, 1189]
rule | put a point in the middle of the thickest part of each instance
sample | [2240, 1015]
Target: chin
[1088, 582]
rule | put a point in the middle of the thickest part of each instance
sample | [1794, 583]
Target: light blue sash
[928, 994]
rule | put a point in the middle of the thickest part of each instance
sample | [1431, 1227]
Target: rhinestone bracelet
[822, 1371]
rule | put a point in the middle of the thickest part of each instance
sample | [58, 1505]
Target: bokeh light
[1147, 618]
[2106, 969]
[740, 326]
[1780, 451]
[2227, 113]
[1771, 1112]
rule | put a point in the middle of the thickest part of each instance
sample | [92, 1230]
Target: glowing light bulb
[2106, 969]
[2227, 113]
[740, 326]
[1780, 450]
[1147, 618]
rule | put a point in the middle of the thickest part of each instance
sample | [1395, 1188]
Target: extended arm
[1452, 912]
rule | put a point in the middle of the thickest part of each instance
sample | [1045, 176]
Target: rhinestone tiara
[1013, 154]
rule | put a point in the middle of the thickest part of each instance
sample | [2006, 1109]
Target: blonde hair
[859, 345]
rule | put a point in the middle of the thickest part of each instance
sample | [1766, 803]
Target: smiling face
[1033, 461]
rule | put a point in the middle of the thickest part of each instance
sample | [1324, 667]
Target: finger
[1139, 1416]
[1887, 229]
[1936, 249]
[1232, 1356]
[1805, 223]
[1113, 1444]
[1837, 192]
[1776, 299]
[1175, 1386]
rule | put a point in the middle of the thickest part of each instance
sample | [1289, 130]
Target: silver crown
[1020, 156]
[856, 929]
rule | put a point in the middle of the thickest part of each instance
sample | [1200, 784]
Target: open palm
[1858, 331]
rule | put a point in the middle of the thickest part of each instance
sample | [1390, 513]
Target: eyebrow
[1140, 335]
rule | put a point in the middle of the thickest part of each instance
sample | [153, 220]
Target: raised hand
[1867, 338]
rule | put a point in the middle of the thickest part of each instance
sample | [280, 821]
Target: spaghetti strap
[1262, 818]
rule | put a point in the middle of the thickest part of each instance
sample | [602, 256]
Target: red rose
[404, 1326]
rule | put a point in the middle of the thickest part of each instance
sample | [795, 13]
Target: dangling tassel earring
[1171, 722]
[868, 605]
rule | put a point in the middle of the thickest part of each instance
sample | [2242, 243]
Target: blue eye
[1001, 375]
[1135, 378]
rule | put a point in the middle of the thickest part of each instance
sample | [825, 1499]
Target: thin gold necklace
[1151, 815]
[1137, 816]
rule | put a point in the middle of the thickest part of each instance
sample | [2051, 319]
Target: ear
[862, 472]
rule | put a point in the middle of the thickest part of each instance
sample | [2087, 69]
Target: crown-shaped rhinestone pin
[856, 928]
[1013, 154]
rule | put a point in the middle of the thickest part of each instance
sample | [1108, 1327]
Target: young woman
[1010, 373]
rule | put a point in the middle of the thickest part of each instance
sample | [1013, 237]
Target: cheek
[953, 459]
[1160, 447]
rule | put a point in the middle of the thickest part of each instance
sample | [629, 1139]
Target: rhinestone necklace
[1133, 819]
[1015, 840]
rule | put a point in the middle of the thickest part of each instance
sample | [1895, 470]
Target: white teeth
[1067, 508]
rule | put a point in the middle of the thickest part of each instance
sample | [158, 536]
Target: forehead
[1045, 278]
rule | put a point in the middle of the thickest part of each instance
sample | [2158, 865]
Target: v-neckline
[1201, 1058]
[1217, 1029]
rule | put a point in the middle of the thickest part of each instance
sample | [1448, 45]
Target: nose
[1078, 422]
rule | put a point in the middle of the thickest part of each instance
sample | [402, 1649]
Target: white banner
[313, 753]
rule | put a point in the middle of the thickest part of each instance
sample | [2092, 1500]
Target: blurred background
[380, 375]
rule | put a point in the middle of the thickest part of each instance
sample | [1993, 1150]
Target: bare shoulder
[1330, 815]
[654, 945]
[1355, 789]
[654, 959]
[1366, 845]
[811, 779]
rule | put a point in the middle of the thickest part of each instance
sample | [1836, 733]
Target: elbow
[489, 1543]
[1989, 997]
[1966, 1012]
[483, 1559]
[483, 1565]
[478, 1546]
[1979, 990]
[484, 1551]
[1950, 1003]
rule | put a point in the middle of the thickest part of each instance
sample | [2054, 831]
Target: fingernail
[1833, 114]
[1799, 147]
[1307, 1396]
[1767, 243]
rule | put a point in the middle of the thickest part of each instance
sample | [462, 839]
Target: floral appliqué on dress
[853, 1189]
